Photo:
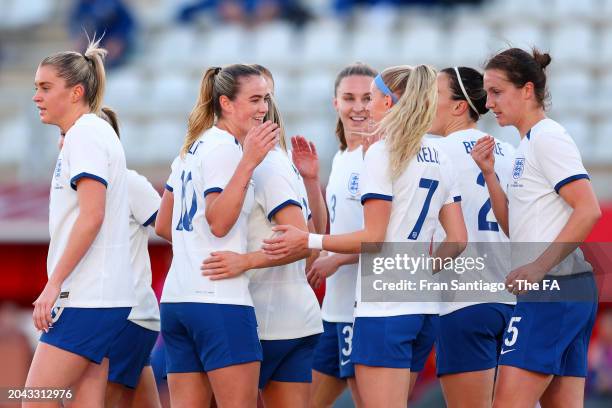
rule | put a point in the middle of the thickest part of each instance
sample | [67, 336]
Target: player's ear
[226, 104]
[528, 90]
[459, 107]
[77, 93]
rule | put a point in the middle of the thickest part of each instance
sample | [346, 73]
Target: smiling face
[351, 101]
[504, 99]
[52, 97]
[250, 104]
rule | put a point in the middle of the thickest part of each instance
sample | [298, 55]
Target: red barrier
[23, 272]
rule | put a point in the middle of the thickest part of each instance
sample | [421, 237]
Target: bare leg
[564, 392]
[518, 388]
[470, 389]
[189, 390]
[53, 367]
[325, 389]
[235, 386]
[383, 387]
[279, 394]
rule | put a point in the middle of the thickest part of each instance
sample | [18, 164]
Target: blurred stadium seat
[160, 83]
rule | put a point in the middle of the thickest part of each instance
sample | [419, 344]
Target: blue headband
[380, 84]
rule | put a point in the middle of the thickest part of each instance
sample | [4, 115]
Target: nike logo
[343, 363]
[506, 351]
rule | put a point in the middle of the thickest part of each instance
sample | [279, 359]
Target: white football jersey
[144, 203]
[480, 222]
[206, 168]
[103, 277]
[416, 196]
[343, 197]
[285, 304]
[547, 159]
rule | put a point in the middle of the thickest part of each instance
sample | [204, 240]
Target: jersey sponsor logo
[519, 167]
[344, 362]
[506, 351]
[353, 184]
[64, 295]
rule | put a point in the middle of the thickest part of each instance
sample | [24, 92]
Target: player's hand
[43, 305]
[224, 265]
[530, 273]
[305, 158]
[290, 240]
[322, 268]
[482, 153]
[259, 141]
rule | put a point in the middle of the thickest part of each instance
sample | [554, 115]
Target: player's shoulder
[90, 127]
[377, 150]
[134, 177]
[275, 164]
[546, 131]
[215, 137]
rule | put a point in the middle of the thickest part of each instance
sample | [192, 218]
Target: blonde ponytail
[85, 69]
[109, 115]
[97, 80]
[202, 115]
[411, 117]
[274, 115]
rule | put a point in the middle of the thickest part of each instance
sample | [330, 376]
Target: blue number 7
[431, 185]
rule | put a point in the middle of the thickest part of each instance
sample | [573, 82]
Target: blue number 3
[431, 185]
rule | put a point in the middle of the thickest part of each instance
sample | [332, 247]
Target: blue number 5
[431, 185]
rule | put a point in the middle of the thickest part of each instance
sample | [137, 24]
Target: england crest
[353, 184]
[519, 166]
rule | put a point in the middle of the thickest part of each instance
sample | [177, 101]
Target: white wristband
[315, 241]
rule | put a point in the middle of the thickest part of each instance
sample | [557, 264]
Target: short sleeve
[449, 180]
[170, 183]
[273, 190]
[218, 166]
[558, 158]
[376, 183]
[144, 199]
[88, 157]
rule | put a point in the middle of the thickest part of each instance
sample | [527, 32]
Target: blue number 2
[483, 224]
[185, 222]
[431, 185]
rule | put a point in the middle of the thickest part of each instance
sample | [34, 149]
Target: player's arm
[483, 155]
[326, 265]
[586, 212]
[559, 161]
[223, 207]
[451, 219]
[227, 264]
[163, 222]
[377, 213]
[91, 196]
